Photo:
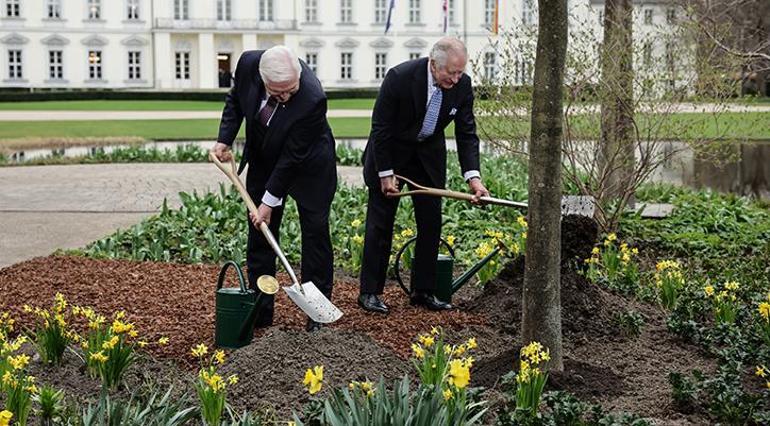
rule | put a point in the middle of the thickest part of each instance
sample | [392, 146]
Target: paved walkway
[36, 115]
[44, 208]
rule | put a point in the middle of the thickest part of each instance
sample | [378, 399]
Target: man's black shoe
[312, 326]
[372, 303]
[428, 301]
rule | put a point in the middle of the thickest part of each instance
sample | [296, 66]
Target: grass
[16, 133]
[153, 105]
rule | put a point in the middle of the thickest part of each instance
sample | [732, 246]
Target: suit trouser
[317, 256]
[380, 217]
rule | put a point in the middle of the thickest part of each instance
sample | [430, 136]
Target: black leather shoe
[372, 303]
[312, 326]
[429, 301]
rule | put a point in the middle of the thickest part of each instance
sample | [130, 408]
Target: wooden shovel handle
[424, 190]
[231, 172]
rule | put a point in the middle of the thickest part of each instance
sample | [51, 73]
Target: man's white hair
[447, 46]
[279, 64]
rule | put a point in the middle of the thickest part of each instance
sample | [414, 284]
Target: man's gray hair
[446, 46]
[279, 64]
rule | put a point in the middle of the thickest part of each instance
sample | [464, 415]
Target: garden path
[45, 208]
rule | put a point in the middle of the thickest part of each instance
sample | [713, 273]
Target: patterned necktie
[267, 111]
[431, 115]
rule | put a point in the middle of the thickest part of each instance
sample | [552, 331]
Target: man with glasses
[290, 151]
[417, 100]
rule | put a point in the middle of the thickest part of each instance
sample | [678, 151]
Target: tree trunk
[616, 91]
[541, 310]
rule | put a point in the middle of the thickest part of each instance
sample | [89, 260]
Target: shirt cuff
[386, 173]
[471, 174]
[269, 199]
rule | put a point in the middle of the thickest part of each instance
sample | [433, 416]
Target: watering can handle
[241, 281]
[436, 192]
[397, 263]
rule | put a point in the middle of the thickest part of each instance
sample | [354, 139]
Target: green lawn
[149, 129]
[154, 105]
[755, 125]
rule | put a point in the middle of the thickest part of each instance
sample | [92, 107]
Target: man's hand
[478, 190]
[222, 152]
[263, 215]
[389, 185]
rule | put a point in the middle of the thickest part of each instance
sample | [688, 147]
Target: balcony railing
[233, 24]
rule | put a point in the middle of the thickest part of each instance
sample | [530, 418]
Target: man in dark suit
[417, 100]
[290, 151]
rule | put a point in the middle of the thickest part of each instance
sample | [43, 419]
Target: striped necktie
[431, 115]
[267, 111]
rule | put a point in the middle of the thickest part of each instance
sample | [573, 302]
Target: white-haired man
[290, 151]
[417, 100]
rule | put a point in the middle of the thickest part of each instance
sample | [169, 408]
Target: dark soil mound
[275, 363]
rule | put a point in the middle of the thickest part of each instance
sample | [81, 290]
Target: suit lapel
[420, 88]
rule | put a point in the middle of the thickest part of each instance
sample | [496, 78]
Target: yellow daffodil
[521, 221]
[732, 285]
[200, 350]
[447, 394]
[419, 352]
[764, 310]
[5, 417]
[760, 371]
[99, 357]
[434, 331]
[142, 343]
[314, 379]
[450, 240]
[406, 233]
[219, 356]
[356, 223]
[163, 341]
[472, 343]
[709, 290]
[459, 374]
[426, 340]
[18, 362]
[358, 239]
[108, 345]
[232, 379]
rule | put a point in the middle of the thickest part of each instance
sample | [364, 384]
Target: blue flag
[390, 14]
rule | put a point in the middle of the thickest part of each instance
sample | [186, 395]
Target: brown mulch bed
[601, 365]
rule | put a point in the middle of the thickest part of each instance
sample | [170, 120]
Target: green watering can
[236, 308]
[446, 285]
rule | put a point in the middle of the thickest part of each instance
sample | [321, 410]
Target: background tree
[541, 310]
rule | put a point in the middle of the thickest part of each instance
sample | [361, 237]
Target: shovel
[571, 204]
[306, 295]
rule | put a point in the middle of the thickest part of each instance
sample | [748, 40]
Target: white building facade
[195, 44]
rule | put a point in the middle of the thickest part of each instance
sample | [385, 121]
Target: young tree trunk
[541, 310]
[616, 92]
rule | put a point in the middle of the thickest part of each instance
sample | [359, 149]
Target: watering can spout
[462, 279]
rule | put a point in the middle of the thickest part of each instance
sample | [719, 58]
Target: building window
[647, 54]
[14, 64]
[311, 10]
[181, 9]
[55, 65]
[380, 11]
[527, 12]
[346, 66]
[601, 17]
[522, 71]
[414, 11]
[13, 8]
[134, 65]
[182, 65]
[380, 65]
[95, 64]
[489, 12]
[490, 66]
[452, 6]
[311, 59]
[671, 16]
[94, 9]
[133, 10]
[346, 11]
[648, 16]
[224, 10]
[53, 8]
[266, 10]
[414, 55]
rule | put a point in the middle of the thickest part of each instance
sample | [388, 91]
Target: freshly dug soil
[601, 365]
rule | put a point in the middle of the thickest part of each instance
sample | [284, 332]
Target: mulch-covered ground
[601, 365]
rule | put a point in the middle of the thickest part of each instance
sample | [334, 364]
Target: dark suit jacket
[295, 156]
[397, 119]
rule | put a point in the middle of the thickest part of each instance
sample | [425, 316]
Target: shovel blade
[313, 303]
